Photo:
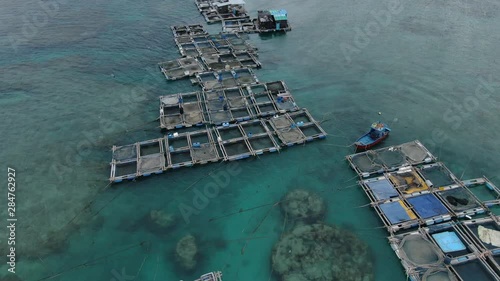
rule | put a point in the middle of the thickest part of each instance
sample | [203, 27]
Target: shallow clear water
[86, 78]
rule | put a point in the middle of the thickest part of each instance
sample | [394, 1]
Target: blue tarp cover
[427, 206]
[394, 212]
[448, 241]
[382, 189]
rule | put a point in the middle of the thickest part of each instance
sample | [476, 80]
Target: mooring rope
[206, 176]
[338, 145]
[92, 262]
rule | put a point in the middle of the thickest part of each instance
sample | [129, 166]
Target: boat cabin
[377, 130]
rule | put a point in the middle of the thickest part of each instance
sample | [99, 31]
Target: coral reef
[161, 218]
[303, 205]
[321, 252]
[186, 252]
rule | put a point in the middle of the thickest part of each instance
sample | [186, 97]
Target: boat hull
[362, 147]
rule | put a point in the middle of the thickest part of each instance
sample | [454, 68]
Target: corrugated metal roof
[229, 2]
[279, 14]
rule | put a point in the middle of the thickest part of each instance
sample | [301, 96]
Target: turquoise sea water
[82, 76]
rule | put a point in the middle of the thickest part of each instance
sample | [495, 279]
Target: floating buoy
[379, 113]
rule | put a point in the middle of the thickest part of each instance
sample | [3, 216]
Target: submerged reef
[161, 219]
[186, 252]
[303, 205]
[321, 252]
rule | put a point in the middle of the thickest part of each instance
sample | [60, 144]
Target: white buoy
[379, 113]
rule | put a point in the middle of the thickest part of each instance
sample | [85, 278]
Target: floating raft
[235, 18]
[233, 117]
[170, 116]
[266, 22]
[226, 79]
[408, 191]
[188, 30]
[242, 140]
[222, 43]
[211, 276]
[485, 190]
[189, 66]
[216, 11]
[245, 25]
[443, 252]
[200, 43]
[181, 68]
[227, 105]
[373, 162]
[227, 142]
[296, 128]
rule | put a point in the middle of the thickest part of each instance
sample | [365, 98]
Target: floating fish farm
[234, 17]
[430, 213]
[232, 116]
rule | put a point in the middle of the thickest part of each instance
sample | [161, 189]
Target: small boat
[378, 132]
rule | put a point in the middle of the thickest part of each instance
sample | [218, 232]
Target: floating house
[232, 8]
[272, 20]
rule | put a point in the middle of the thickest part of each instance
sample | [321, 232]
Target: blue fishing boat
[378, 132]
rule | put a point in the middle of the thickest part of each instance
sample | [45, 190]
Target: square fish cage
[379, 189]
[190, 148]
[460, 201]
[296, 128]
[485, 232]
[419, 256]
[124, 163]
[408, 181]
[245, 139]
[429, 208]
[244, 25]
[474, 270]
[259, 136]
[450, 238]
[188, 30]
[484, 190]
[437, 175]
[396, 215]
[281, 96]
[372, 162]
[261, 99]
[170, 110]
[309, 127]
[181, 68]
[151, 157]
[188, 50]
[140, 159]
[227, 105]
[424, 260]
